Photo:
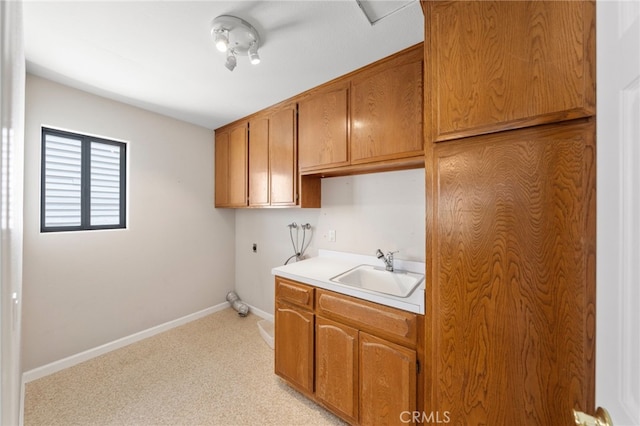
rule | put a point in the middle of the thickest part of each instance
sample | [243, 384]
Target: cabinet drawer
[293, 292]
[394, 324]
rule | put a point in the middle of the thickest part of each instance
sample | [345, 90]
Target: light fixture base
[240, 33]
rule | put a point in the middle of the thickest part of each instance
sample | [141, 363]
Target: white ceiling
[160, 56]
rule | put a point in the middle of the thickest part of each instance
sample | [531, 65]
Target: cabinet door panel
[496, 65]
[294, 348]
[386, 111]
[259, 162]
[513, 291]
[337, 367]
[222, 169]
[238, 166]
[282, 154]
[322, 129]
[388, 377]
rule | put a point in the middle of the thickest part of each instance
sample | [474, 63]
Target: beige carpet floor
[213, 371]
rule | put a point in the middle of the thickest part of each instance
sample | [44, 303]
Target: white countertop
[318, 271]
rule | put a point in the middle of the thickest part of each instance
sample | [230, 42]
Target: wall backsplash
[379, 210]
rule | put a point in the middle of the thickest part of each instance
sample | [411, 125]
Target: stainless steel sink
[378, 280]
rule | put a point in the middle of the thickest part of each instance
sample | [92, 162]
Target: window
[83, 182]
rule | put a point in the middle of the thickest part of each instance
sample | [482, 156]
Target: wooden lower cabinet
[363, 378]
[388, 376]
[294, 346]
[337, 367]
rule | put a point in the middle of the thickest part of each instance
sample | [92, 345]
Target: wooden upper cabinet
[498, 65]
[282, 157]
[259, 161]
[231, 166]
[272, 158]
[323, 128]
[257, 165]
[238, 166]
[386, 109]
[222, 168]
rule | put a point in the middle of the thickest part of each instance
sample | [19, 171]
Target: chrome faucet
[387, 258]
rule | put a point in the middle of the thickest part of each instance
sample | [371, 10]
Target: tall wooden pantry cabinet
[511, 202]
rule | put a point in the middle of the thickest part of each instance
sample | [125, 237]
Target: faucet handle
[389, 255]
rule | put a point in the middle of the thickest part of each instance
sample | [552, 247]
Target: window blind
[105, 184]
[63, 181]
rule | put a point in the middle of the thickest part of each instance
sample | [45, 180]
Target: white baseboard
[72, 360]
[260, 313]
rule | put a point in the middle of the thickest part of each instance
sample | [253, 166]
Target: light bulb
[222, 41]
[253, 54]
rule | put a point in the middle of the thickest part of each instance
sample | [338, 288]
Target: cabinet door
[513, 293]
[222, 169]
[337, 367]
[259, 161]
[322, 129]
[388, 374]
[386, 110]
[293, 343]
[238, 166]
[497, 65]
[282, 154]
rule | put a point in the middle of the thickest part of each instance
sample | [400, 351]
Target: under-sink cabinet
[357, 358]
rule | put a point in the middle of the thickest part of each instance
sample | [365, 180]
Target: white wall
[380, 210]
[179, 255]
[84, 289]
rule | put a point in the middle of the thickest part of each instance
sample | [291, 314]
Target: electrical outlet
[332, 235]
[254, 248]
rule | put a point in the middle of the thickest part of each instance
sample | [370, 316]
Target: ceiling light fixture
[236, 37]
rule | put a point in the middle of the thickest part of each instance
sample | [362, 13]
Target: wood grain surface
[513, 290]
[337, 367]
[323, 128]
[394, 324]
[387, 381]
[387, 108]
[497, 65]
[259, 161]
[238, 160]
[283, 156]
[222, 168]
[294, 346]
